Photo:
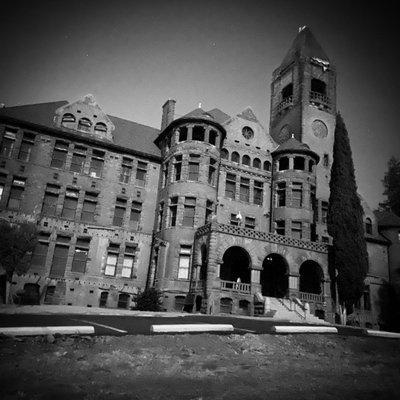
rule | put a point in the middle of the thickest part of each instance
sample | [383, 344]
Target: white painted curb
[181, 328]
[47, 330]
[303, 329]
[385, 334]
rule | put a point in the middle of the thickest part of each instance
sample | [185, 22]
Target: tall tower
[303, 104]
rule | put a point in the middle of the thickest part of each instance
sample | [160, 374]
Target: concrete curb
[47, 330]
[392, 335]
[186, 328]
[303, 329]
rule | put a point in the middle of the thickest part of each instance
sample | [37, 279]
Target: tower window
[184, 261]
[324, 211]
[194, 167]
[326, 160]
[298, 163]
[318, 86]
[198, 133]
[245, 189]
[230, 186]
[267, 166]
[178, 168]
[258, 193]
[189, 210]
[213, 137]
[287, 91]
[212, 171]
[209, 210]
[173, 210]
[311, 165]
[283, 164]
[297, 194]
[183, 132]
[257, 163]
[281, 194]
[224, 154]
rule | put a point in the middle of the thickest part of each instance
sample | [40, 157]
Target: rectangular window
[184, 261]
[297, 194]
[59, 154]
[189, 210]
[28, 141]
[1, 190]
[59, 262]
[126, 170]
[96, 164]
[136, 211]
[183, 133]
[296, 229]
[89, 207]
[160, 215]
[249, 222]
[15, 197]
[280, 228]
[313, 203]
[258, 193]
[8, 143]
[50, 200]
[281, 194]
[127, 264]
[212, 172]
[194, 167]
[119, 212]
[70, 204]
[209, 210]
[80, 255]
[78, 159]
[111, 261]
[235, 221]
[141, 174]
[245, 189]
[324, 211]
[367, 298]
[178, 168]
[38, 260]
[165, 174]
[173, 210]
[230, 186]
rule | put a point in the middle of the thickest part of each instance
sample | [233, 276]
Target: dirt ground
[200, 366]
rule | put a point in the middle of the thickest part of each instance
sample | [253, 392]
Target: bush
[149, 300]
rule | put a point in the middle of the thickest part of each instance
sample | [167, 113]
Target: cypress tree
[349, 255]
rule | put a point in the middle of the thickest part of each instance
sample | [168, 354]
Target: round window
[247, 132]
[319, 129]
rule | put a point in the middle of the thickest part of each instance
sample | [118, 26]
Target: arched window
[224, 154]
[287, 91]
[368, 226]
[257, 163]
[246, 160]
[84, 124]
[68, 118]
[267, 166]
[283, 164]
[100, 127]
[235, 157]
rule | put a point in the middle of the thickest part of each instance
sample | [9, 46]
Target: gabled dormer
[86, 117]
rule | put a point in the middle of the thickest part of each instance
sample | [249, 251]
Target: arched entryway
[274, 276]
[236, 265]
[311, 277]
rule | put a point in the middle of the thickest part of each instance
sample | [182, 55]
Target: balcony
[311, 297]
[238, 287]
[320, 100]
[285, 103]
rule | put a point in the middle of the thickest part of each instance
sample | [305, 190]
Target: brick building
[213, 210]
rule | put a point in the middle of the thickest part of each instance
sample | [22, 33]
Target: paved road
[134, 325]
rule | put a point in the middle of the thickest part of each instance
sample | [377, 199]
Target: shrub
[149, 300]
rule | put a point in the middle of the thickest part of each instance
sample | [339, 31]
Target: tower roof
[292, 145]
[304, 46]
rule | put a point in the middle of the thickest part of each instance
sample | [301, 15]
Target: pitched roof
[292, 145]
[215, 114]
[248, 114]
[219, 115]
[127, 133]
[304, 45]
[387, 219]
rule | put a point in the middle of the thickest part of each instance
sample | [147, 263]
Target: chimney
[168, 112]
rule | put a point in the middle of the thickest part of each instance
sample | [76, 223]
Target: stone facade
[212, 210]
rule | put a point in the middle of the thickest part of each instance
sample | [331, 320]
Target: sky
[134, 55]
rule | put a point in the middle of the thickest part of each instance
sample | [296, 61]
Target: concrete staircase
[291, 310]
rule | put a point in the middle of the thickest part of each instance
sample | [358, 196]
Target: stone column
[291, 163]
[294, 285]
[190, 132]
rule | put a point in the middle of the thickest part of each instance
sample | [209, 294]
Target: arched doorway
[274, 276]
[236, 265]
[311, 277]
[203, 266]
